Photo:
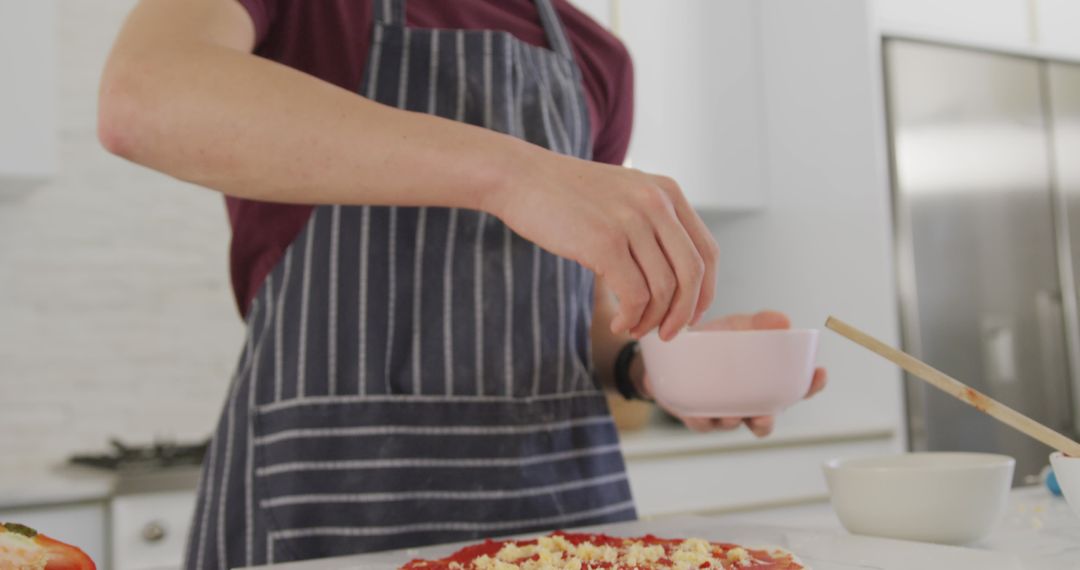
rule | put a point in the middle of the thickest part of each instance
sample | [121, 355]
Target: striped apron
[419, 375]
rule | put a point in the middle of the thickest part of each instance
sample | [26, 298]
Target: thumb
[764, 320]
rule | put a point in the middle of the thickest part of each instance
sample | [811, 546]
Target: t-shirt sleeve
[262, 14]
[613, 139]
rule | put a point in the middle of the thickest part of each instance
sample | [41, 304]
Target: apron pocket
[363, 474]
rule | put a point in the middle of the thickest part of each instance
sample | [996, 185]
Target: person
[438, 256]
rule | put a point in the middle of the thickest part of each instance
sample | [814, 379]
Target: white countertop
[1039, 529]
[662, 438]
[61, 484]
[41, 485]
[1038, 533]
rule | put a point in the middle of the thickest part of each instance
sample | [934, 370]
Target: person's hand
[635, 230]
[760, 425]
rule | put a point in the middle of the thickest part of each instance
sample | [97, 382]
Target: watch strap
[623, 383]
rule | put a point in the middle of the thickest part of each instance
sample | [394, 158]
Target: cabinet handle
[154, 531]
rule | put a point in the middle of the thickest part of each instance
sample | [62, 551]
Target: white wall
[823, 244]
[27, 80]
[599, 10]
[115, 313]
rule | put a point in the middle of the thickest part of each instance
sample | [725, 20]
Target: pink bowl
[730, 373]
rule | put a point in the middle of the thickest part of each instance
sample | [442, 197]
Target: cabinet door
[1058, 27]
[150, 530]
[82, 525]
[697, 110]
[1004, 24]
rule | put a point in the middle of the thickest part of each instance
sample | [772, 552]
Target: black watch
[623, 383]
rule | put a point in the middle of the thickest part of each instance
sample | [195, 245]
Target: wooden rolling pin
[958, 389]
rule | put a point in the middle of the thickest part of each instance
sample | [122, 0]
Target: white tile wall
[116, 316]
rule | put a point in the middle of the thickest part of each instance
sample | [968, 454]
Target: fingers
[761, 426]
[727, 424]
[765, 320]
[676, 260]
[689, 269]
[762, 320]
[700, 425]
[703, 241]
[818, 382]
[737, 322]
[623, 276]
[660, 278]
[704, 425]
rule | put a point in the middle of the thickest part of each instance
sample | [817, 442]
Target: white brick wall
[116, 317]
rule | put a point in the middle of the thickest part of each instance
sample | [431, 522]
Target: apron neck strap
[389, 12]
[556, 34]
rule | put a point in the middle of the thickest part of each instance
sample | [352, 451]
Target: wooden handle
[958, 389]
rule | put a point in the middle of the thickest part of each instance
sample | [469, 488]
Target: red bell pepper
[23, 548]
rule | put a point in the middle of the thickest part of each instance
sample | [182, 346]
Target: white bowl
[947, 498]
[1067, 471]
[730, 373]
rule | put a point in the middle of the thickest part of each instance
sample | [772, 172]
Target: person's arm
[182, 94]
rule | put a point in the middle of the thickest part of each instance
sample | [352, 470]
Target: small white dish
[1067, 471]
[721, 373]
[940, 497]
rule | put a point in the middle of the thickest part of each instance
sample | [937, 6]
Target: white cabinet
[82, 525]
[1003, 23]
[1058, 27]
[698, 97]
[27, 53]
[703, 87]
[150, 530]
[1037, 27]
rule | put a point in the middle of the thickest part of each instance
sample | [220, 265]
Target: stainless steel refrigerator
[986, 184]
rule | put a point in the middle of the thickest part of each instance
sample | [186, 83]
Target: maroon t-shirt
[330, 38]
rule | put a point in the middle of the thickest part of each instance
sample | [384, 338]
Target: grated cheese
[593, 552]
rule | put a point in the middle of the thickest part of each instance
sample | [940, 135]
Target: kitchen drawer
[150, 530]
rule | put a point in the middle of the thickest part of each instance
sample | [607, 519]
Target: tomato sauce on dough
[604, 552]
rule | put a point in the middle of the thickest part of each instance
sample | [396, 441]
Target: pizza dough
[582, 551]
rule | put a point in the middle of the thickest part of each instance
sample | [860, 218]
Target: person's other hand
[635, 230]
[761, 426]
